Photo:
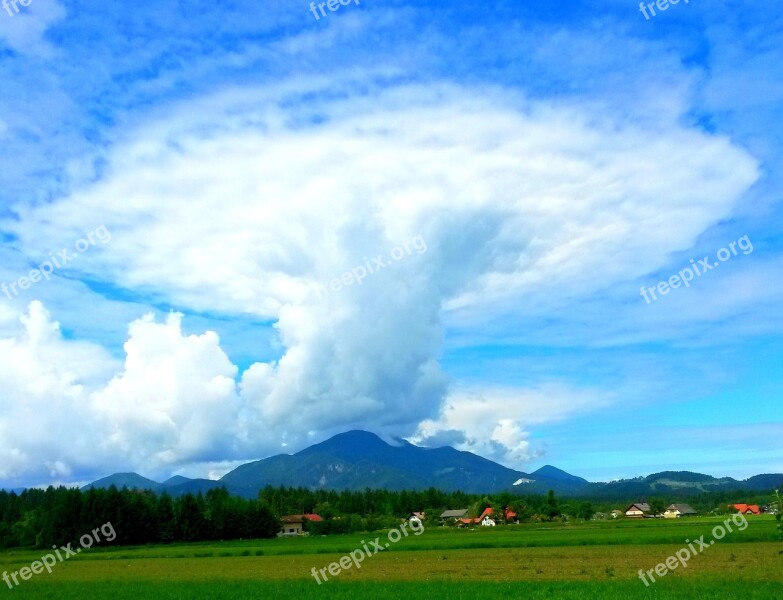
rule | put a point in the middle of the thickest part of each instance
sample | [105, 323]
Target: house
[511, 516]
[640, 510]
[746, 509]
[676, 511]
[485, 518]
[453, 515]
[416, 518]
[294, 524]
[487, 521]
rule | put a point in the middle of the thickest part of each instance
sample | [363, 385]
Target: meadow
[594, 560]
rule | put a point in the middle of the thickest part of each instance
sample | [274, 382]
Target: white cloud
[175, 401]
[492, 422]
[45, 417]
[239, 203]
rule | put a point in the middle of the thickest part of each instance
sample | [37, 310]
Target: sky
[546, 233]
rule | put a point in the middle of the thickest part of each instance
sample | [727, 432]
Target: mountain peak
[359, 459]
[175, 480]
[555, 474]
[680, 476]
[354, 441]
[121, 480]
[358, 435]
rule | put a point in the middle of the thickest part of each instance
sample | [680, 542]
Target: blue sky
[533, 165]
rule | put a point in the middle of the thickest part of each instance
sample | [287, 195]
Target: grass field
[591, 560]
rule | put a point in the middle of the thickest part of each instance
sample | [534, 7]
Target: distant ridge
[356, 460]
[121, 480]
[555, 474]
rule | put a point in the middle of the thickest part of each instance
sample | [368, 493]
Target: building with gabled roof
[676, 511]
[459, 513]
[746, 509]
[638, 510]
[294, 524]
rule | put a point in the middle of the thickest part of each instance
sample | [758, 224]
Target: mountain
[174, 481]
[353, 460]
[175, 486]
[356, 460]
[121, 480]
[680, 483]
[763, 482]
[555, 474]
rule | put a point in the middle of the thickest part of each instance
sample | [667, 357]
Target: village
[298, 524]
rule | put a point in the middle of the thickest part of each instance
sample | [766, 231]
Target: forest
[42, 518]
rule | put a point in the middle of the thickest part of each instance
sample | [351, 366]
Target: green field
[591, 560]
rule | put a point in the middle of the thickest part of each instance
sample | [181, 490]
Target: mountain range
[357, 460]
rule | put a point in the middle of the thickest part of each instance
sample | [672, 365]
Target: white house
[638, 510]
[487, 522]
[675, 511]
[416, 519]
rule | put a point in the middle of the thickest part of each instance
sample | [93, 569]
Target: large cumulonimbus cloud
[244, 203]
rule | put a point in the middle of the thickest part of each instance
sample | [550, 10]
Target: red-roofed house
[746, 509]
[294, 524]
[485, 518]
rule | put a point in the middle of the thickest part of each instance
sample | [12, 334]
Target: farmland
[598, 559]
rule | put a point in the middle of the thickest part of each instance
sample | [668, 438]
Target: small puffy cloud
[175, 401]
[493, 422]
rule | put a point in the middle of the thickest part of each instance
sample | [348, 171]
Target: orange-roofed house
[485, 518]
[511, 516]
[746, 509]
[294, 524]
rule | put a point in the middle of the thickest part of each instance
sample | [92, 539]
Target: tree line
[57, 516]
[44, 518]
